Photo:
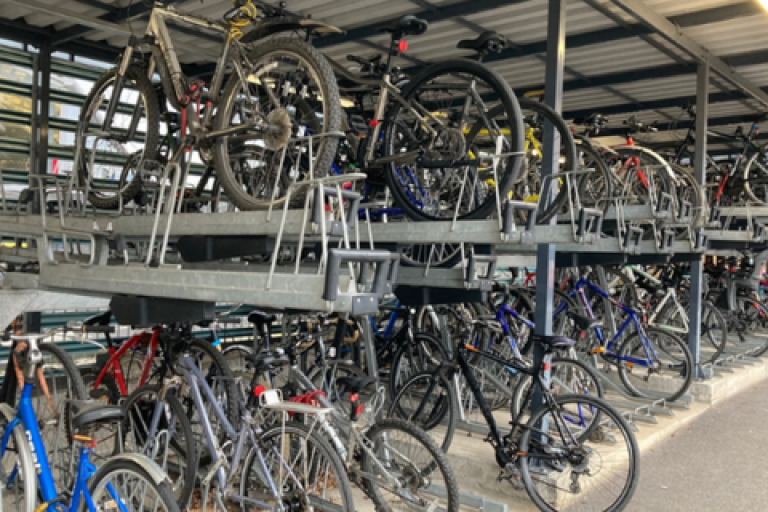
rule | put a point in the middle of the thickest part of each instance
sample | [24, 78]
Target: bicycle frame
[114, 362]
[632, 318]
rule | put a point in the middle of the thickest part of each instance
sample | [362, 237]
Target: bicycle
[395, 463]
[559, 447]
[274, 468]
[241, 124]
[645, 354]
[127, 482]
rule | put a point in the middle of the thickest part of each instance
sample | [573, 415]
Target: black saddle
[408, 25]
[260, 318]
[552, 342]
[100, 319]
[267, 361]
[88, 413]
[354, 384]
[584, 322]
[487, 42]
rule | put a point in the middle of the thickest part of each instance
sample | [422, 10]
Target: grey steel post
[44, 104]
[700, 168]
[545, 254]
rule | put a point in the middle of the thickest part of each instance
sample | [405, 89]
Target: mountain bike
[557, 451]
[241, 124]
[127, 482]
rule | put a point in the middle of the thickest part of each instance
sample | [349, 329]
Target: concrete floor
[717, 462]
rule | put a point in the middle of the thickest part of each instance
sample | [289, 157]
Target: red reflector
[359, 410]
[546, 367]
[353, 397]
[258, 390]
[374, 123]
[403, 45]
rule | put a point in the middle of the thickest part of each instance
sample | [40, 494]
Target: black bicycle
[573, 452]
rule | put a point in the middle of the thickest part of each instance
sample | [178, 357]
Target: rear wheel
[420, 354]
[106, 393]
[431, 127]
[128, 483]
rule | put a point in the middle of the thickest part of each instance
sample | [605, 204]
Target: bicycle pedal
[598, 350]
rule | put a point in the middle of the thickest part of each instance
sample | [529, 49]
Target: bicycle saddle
[552, 342]
[488, 41]
[584, 322]
[354, 384]
[267, 361]
[408, 25]
[260, 318]
[86, 413]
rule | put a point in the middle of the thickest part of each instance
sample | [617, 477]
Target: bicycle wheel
[755, 182]
[591, 462]
[596, 187]
[18, 481]
[567, 376]
[645, 177]
[248, 165]
[172, 447]
[125, 485]
[302, 465]
[61, 382]
[107, 393]
[407, 453]
[439, 103]
[219, 377]
[536, 115]
[324, 378]
[668, 372]
[429, 400]
[714, 327]
[420, 354]
[138, 110]
[754, 316]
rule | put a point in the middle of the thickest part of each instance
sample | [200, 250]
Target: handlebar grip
[106, 329]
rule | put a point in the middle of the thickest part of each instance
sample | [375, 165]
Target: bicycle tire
[523, 384]
[418, 353]
[222, 377]
[327, 382]
[381, 434]
[184, 468]
[682, 365]
[753, 319]
[592, 434]
[136, 74]
[634, 185]
[597, 185]
[320, 449]
[428, 415]
[106, 436]
[571, 159]
[500, 87]
[748, 179]
[325, 153]
[712, 319]
[19, 494]
[100, 482]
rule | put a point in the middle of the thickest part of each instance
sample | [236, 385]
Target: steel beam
[700, 170]
[43, 110]
[672, 33]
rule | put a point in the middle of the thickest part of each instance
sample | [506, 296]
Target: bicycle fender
[268, 27]
[150, 466]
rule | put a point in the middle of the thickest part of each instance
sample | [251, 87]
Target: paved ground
[718, 462]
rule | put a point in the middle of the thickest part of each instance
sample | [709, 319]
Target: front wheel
[575, 461]
[125, 485]
[656, 365]
[408, 465]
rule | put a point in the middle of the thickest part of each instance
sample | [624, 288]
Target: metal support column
[700, 167]
[553, 96]
[44, 106]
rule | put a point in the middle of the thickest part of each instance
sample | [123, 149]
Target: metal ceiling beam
[672, 34]
[432, 15]
[679, 101]
[666, 71]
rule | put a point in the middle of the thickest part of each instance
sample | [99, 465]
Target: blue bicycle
[652, 362]
[125, 483]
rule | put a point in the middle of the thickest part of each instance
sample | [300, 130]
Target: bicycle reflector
[403, 45]
[258, 390]
[357, 408]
